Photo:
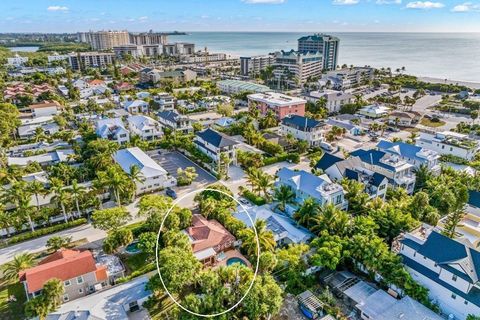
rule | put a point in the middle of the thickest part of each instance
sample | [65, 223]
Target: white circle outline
[158, 267]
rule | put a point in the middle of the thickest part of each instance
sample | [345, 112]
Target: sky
[240, 15]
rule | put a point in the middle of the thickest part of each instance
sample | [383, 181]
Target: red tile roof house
[77, 269]
[208, 239]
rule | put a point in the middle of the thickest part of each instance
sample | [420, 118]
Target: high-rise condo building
[326, 44]
[253, 65]
[104, 40]
[294, 66]
[148, 38]
[85, 60]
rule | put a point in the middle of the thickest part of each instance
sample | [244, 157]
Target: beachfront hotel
[326, 44]
[298, 65]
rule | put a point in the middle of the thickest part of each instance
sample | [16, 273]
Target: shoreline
[470, 84]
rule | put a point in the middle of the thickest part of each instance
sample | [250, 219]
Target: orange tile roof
[63, 265]
[208, 234]
[96, 82]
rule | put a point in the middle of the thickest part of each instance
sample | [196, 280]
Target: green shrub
[42, 232]
[250, 196]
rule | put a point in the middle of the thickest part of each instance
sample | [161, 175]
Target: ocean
[453, 56]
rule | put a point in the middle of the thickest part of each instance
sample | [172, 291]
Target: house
[374, 111]
[175, 122]
[44, 109]
[350, 127]
[30, 130]
[143, 95]
[208, 238]
[307, 185]
[78, 271]
[144, 126]
[282, 105]
[112, 129]
[165, 101]
[224, 122]
[303, 128]
[404, 118]
[334, 100]
[285, 230]
[154, 177]
[214, 143]
[353, 169]
[371, 303]
[448, 268]
[136, 106]
[449, 143]
[399, 172]
[414, 155]
[120, 303]
[44, 159]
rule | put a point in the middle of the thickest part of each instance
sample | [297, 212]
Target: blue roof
[168, 115]
[301, 122]
[215, 138]
[378, 179]
[473, 296]
[451, 250]
[474, 198]
[341, 124]
[372, 157]
[404, 149]
[327, 161]
[351, 175]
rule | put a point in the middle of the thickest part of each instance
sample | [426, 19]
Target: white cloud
[388, 1]
[143, 18]
[466, 7]
[345, 2]
[264, 1]
[425, 5]
[57, 8]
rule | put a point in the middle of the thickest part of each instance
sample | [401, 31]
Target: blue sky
[240, 15]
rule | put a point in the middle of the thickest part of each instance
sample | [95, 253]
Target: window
[465, 302]
[415, 253]
[66, 283]
[79, 280]
[80, 290]
[454, 296]
[65, 297]
[454, 278]
[382, 187]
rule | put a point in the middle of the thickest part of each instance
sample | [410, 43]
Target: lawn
[12, 310]
[135, 262]
[428, 123]
[159, 308]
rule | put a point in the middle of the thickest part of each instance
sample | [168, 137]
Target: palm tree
[331, 219]
[19, 263]
[265, 184]
[309, 209]
[19, 195]
[265, 239]
[6, 220]
[270, 120]
[77, 191]
[135, 174]
[61, 195]
[115, 180]
[253, 179]
[284, 195]
[37, 188]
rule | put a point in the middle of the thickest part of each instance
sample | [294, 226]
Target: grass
[158, 308]
[428, 123]
[12, 310]
[135, 262]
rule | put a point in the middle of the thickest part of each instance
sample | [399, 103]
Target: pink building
[281, 104]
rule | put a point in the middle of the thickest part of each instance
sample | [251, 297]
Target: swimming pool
[132, 248]
[235, 260]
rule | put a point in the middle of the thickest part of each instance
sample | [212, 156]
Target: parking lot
[172, 160]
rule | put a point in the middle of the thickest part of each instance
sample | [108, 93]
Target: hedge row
[253, 198]
[42, 232]
[294, 157]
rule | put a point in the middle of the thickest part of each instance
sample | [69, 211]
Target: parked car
[171, 193]
[326, 146]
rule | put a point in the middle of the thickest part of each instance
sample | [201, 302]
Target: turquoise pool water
[235, 260]
[132, 248]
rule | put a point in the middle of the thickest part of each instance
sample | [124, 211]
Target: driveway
[172, 160]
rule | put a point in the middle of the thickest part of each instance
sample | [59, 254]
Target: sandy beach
[473, 85]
